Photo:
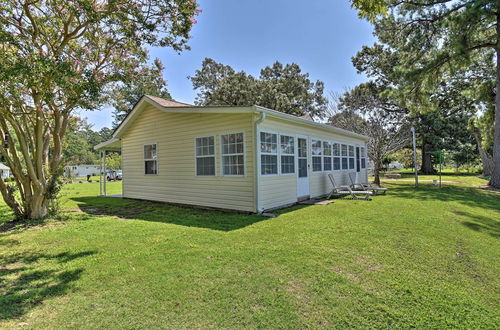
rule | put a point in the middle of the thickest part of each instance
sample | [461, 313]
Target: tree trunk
[376, 173]
[37, 208]
[427, 166]
[495, 176]
[486, 158]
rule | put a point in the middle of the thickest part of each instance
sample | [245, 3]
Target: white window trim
[214, 155]
[313, 155]
[238, 154]
[339, 156]
[278, 158]
[295, 147]
[157, 158]
[325, 156]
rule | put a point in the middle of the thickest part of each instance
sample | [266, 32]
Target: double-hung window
[287, 149]
[268, 153]
[205, 155]
[345, 159]
[363, 157]
[351, 157]
[336, 156]
[150, 159]
[327, 156]
[233, 159]
[316, 155]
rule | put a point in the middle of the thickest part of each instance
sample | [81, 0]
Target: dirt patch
[122, 213]
[370, 266]
[352, 277]
[490, 189]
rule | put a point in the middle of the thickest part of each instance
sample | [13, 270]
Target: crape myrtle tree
[279, 87]
[437, 38]
[59, 56]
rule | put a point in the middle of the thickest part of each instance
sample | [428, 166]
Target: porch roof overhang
[113, 144]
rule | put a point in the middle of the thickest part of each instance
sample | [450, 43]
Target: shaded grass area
[413, 258]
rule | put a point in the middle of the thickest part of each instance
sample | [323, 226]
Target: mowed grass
[425, 258]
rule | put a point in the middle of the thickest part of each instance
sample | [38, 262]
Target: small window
[233, 158]
[316, 155]
[269, 153]
[287, 150]
[363, 157]
[150, 159]
[327, 156]
[351, 157]
[345, 158]
[336, 156]
[205, 156]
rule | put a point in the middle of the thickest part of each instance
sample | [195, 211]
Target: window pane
[363, 152]
[316, 147]
[351, 151]
[336, 149]
[351, 163]
[327, 148]
[327, 163]
[205, 166]
[150, 151]
[363, 162]
[344, 163]
[287, 144]
[268, 142]
[316, 164]
[150, 167]
[302, 168]
[232, 143]
[344, 150]
[233, 165]
[268, 164]
[205, 146]
[302, 148]
[336, 163]
[287, 164]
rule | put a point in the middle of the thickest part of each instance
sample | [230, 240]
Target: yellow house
[239, 158]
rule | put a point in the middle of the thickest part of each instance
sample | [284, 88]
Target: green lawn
[425, 258]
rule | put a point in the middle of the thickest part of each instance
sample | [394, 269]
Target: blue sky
[319, 35]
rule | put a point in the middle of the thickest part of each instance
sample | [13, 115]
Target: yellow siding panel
[176, 181]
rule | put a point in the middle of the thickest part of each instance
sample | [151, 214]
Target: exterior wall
[4, 174]
[176, 181]
[279, 190]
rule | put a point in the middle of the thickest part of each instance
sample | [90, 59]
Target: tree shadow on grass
[165, 213]
[465, 195]
[480, 223]
[26, 281]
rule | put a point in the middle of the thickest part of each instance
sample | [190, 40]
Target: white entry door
[303, 169]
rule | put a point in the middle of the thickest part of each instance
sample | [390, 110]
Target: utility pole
[415, 155]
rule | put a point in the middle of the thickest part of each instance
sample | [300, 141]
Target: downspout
[256, 153]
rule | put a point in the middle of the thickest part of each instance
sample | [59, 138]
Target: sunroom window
[317, 151]
[268, 153]
[233, 159]
[363, 157]
[327, 156]
[345, 158]
[287, 144]
[336, 156]
[351, 157]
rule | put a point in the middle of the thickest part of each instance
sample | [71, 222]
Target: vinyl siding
[176, 181]
[279, 190]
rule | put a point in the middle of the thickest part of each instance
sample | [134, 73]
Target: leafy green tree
[437, 39]
[280, 87]
[61, 56]
[147, 80]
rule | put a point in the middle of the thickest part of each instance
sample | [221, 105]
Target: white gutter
[256, 157]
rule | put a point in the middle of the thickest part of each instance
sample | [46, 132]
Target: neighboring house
[240, 158]
[395, 165]
[4, 171]
[81, 170]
